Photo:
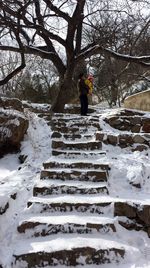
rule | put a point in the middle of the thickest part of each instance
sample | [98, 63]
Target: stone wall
[139, 101]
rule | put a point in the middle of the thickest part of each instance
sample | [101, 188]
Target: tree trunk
[67, 92]
[114, 94]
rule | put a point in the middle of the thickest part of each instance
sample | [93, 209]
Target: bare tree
[53, 30]
[127, 33]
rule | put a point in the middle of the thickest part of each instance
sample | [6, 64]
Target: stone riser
[80, 120]
[69, 136]
[99, 208]
[80, 154]
[124, 140]
[94, 176]
[129, 123]
[76, 146]
[76, 125]
[75, 130]
[76, 165]
[58, 190]
[36, 229]
[74, 257]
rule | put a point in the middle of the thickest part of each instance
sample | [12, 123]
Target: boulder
[13, 125]
[125, 209]
[140, 213]
[11, 103]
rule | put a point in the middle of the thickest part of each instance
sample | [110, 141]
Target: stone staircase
[70, 220]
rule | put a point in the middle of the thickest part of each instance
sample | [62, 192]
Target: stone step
[76, 110]
[80, 154]
[43, 226]
[76, 165]
[80, 184]
[86, 145]
[74, 174]
[79, 137]
[75, 119]
[41, 190]
[77, 124]
[75, 129]
[71, 252]
[71, 203]
[57, 136]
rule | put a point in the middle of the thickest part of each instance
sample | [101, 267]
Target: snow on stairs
[67, 220]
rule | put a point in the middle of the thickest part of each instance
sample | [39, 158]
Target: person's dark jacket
[83, 88]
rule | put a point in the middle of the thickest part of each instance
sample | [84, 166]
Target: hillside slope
[82, 195]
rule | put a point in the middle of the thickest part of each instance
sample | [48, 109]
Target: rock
[4, 208]
[139, 213]
[13, 126]
[130, 224]
[146, 125]
[140, 148]
[112, 139]
[126, 120]
[124, 209]
[127, 112]
[113, 121]
[22, 158]
[56, 135]
[42, 110]
[143, 214]
[139, 139]
[13, 103]
[137, 185]
[14, 196]
[136, 128]
[135, 120]
[100, 136]
[125, 140]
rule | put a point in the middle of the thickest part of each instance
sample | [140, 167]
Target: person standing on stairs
[83, 94]
[89, 83]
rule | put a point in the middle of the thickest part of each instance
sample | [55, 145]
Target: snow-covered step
[76, 165]
[75, 119]
[76, 109]
[71, 203]
[87, 145]
[49, 225]
[76, 183]
[67, 136]
[52, 189]
[80, 154]
[77, 124]
[74, 174]
[71, 252]
[56, 136]
[75, 129]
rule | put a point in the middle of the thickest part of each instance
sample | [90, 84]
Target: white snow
[69, 243]
[127, 167]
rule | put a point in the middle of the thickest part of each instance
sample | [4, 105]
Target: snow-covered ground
[19, 179]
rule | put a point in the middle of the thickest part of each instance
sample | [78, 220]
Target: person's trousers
[84, 104]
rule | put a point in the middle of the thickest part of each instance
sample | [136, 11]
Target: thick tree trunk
[114, 94]
[66, 93]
